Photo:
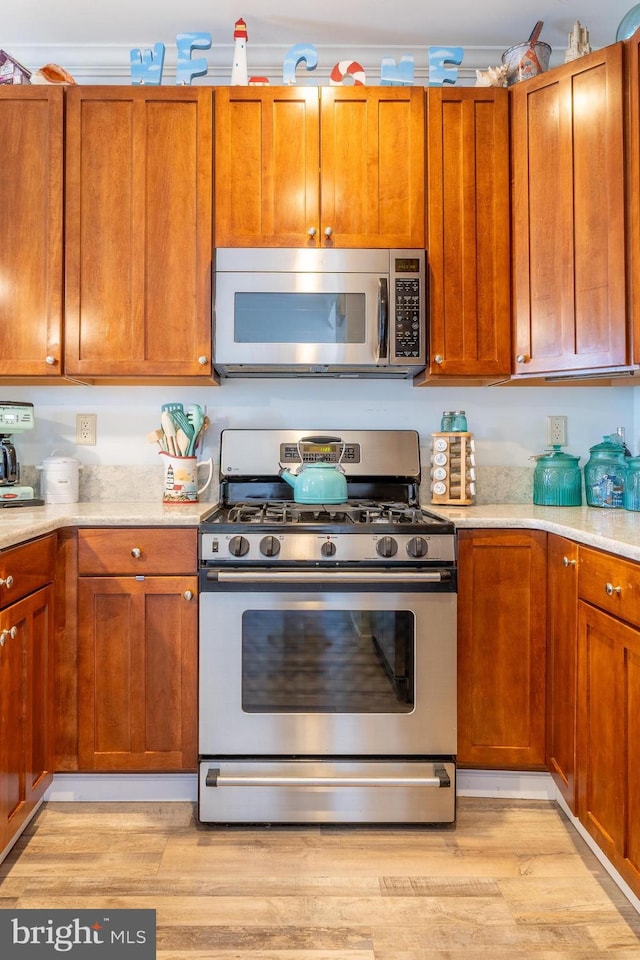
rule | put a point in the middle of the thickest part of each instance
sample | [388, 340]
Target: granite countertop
[24, 523]
[617, 531]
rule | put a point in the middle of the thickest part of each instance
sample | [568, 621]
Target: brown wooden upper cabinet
[632, 57]
[31, 134]
[138, 233]
[319, 166]
[567, 143]
[468, 233]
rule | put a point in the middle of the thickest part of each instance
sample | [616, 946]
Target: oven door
[327, 664]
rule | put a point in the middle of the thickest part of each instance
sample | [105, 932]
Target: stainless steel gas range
[327, 638]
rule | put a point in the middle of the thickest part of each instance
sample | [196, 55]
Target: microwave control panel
[408, 306]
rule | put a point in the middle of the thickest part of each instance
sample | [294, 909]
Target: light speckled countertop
[25, 523]
[617, 531]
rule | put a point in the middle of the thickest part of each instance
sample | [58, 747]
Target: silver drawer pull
[336, 576]
[136, 553]
[568, 563]
[214, 779]
[610, 589]
[8, 582]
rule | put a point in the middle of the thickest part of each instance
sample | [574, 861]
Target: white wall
[509, 422]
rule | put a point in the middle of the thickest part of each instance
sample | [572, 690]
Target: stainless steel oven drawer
[327, 791]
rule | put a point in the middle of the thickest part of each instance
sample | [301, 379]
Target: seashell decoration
[492, 77]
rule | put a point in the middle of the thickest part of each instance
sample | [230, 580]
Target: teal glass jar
[557, 480]
[605, 474]
[632, 485]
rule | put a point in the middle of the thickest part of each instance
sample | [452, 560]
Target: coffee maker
[15, 418]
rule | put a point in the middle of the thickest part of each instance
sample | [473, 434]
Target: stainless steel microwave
[312, 313]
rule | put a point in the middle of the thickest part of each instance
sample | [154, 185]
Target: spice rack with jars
[453, 474]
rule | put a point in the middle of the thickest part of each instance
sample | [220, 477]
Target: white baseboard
[506, 784]
[130, 787]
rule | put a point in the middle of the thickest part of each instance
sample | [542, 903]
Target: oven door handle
[338, 576]
[440, 779]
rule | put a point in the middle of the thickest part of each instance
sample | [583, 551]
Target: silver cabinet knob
[438, 358]
[610, 589]
[312, 231]
[188, 595]
[521, 358]
[328, 231]
[136, 552]
[7, 582]
[50, 360]
[568, 563]
[203, 361]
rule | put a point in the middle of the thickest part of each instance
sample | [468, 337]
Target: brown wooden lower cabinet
[137, 673]
[608, 745]
[562, 653]
[26, 630]
[501, 648]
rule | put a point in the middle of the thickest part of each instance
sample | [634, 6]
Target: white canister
[60, 479]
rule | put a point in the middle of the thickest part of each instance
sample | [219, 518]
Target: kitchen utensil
[183, 442]
[157, 436]
[172, 408]
[169, 427]
[195, 416]
[557, 480]
[319, 481]
[206, 423]
[605, 473]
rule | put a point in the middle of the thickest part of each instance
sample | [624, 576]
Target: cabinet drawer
[26, 568]
[610, 583]
[146, 551]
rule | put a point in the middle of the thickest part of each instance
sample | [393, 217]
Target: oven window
[328, 661]
[299, 318]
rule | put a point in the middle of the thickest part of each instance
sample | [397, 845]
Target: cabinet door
[569, 217]
[372, 166]
[266, 162]
[632, 51]
[468, 232]
[602, 726]
[26, 630]
[138, 232]
[31, 132]
[137, 651]
[562, 653]
[501, 648]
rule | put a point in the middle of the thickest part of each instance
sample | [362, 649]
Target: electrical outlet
[86, 428]
[557, 431]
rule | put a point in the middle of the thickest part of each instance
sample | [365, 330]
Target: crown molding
[110, 63]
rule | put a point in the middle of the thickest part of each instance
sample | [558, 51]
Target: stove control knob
[328, 549]
[417, 547]
[238, 546]
[386, 547]
[269, 546]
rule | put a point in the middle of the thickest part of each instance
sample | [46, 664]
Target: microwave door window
[294, 318]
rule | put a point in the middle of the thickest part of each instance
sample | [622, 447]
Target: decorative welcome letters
[147, 65]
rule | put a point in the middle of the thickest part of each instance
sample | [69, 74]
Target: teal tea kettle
[320, 478]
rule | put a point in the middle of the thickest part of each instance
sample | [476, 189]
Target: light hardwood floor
[512, 880]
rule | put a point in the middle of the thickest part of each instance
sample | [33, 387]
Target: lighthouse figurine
[239, 70]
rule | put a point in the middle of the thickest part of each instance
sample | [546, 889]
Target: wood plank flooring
[512, 880]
